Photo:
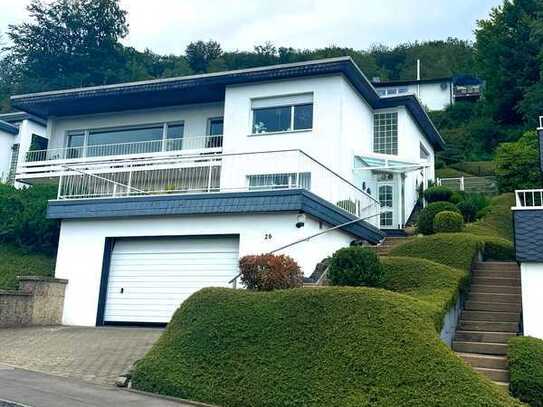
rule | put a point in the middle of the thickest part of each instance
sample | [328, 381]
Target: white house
[164, 184]
[19, 132]
[528, 228]
[435, 93]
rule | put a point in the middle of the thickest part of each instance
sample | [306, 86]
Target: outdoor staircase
[388, 243]
[491, 316]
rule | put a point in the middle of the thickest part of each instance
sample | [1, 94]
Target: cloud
[167, 26]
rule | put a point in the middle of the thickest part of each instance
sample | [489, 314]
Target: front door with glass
[386, 199]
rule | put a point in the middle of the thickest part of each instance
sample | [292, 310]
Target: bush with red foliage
[268, 272]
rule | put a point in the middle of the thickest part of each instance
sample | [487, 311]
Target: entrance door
[386, 199]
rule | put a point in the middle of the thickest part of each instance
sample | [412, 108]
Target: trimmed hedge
[448, 222]
[468, 209]
[425, 220]
[498, 221]
[498, 249]
[525, 356]
[426, 280]
[437, 194]
[451, 249]
[355, 266]
[336, 346]
[20, 262]
[268, 272]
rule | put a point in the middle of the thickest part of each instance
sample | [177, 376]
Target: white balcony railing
[529, 199]
[262, 171]
[120, 149]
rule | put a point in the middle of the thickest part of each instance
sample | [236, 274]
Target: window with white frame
[280, 114]
[393, 91]
[385, 133]
[424, 154]
[279, 181]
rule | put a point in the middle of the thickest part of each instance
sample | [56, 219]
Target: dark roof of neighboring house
[8, 127]
[15, 117]
[210, 88]
[227, 203]
[383, 84]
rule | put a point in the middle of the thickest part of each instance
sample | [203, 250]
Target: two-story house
[164, 184]
[19, 133]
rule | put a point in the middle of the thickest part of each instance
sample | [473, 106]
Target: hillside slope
[18, 262]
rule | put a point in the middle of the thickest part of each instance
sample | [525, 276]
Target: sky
[167, 26]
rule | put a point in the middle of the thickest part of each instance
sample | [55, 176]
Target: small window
[385, 133]
[303, 117]
[215, 127]
[280, 114]
[279, 181]
[38, 143]
[424, 154]
[271, 119]
[381, 92]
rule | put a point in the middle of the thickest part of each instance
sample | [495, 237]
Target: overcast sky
[167, 26]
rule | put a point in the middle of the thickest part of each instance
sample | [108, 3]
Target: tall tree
[509, 54]
[200, 54]
[69, 43]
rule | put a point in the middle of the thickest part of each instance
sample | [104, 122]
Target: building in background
[19, 133]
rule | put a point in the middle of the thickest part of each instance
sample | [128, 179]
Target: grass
[477, 168]
[498, 222]
[322, 347]
[19, 262]
[449, 172]
[525, 356]
[434, 283]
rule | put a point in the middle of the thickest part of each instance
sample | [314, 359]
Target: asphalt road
[33, 389]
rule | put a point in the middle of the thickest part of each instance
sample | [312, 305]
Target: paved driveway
[96, 355]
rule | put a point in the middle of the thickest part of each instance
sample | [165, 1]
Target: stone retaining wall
[39, 301]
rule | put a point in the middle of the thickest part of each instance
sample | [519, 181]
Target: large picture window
[385, 133]
[280, 114]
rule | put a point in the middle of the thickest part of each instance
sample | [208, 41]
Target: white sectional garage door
[149, 278]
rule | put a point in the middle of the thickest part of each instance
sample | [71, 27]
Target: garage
[150, 277]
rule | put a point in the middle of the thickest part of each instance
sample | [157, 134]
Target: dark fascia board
[384, 84]
[8, 128]
[211, 88]
[16, 117]
[295, 200]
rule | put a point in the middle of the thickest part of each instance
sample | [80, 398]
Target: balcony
[217, 173]
[50, 163]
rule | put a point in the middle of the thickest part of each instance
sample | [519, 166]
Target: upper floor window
[215, 126]
[279, 114]
[393, 91]
[385, 133]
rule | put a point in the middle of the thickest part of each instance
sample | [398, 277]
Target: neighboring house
[164, 184]
[528, 228]
[434, 94]
[19, 133]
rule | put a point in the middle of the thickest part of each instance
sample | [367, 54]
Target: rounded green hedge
[437, 194]
[448, 222]
[355, 266]
[498, 249]
[525, 356]
[468, 209]
[425, 220]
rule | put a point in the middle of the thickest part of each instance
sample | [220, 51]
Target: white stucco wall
[81, 247]
[433, 96]
[6, 142]
[532, 300]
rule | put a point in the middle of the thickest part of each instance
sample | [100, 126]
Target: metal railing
[120, 149]
[486, 185]
[260, 171]
[529, 198]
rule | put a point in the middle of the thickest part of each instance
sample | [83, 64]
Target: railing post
[209, 176]
[462, 183]
[59, 186]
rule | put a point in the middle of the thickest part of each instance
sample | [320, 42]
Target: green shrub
[498, 220]
[335, 346]
[23, 219]
[483, 212]
[437, 194]
[456, 250]
[355, 266]
[477, 168]
[425, 220]
[425, 280]
[468, 209]
[525, 356]
[498, 249]
[268, 272]
[16, 261]
[448, 222]
[457, 197]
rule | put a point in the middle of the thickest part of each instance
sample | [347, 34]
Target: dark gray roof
[528, 226]
[8, 127]
[209, 88]
[295, 200]
[15, 117]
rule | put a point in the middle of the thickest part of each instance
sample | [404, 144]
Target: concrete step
[490, 316]
[495, 273]
[501, 298]
[496, 281]
[498, 375]
[486, 326]
[495, 289]
[484, 361]
[482, 336]
[485, 348]
[503, 386]
[492, 306]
